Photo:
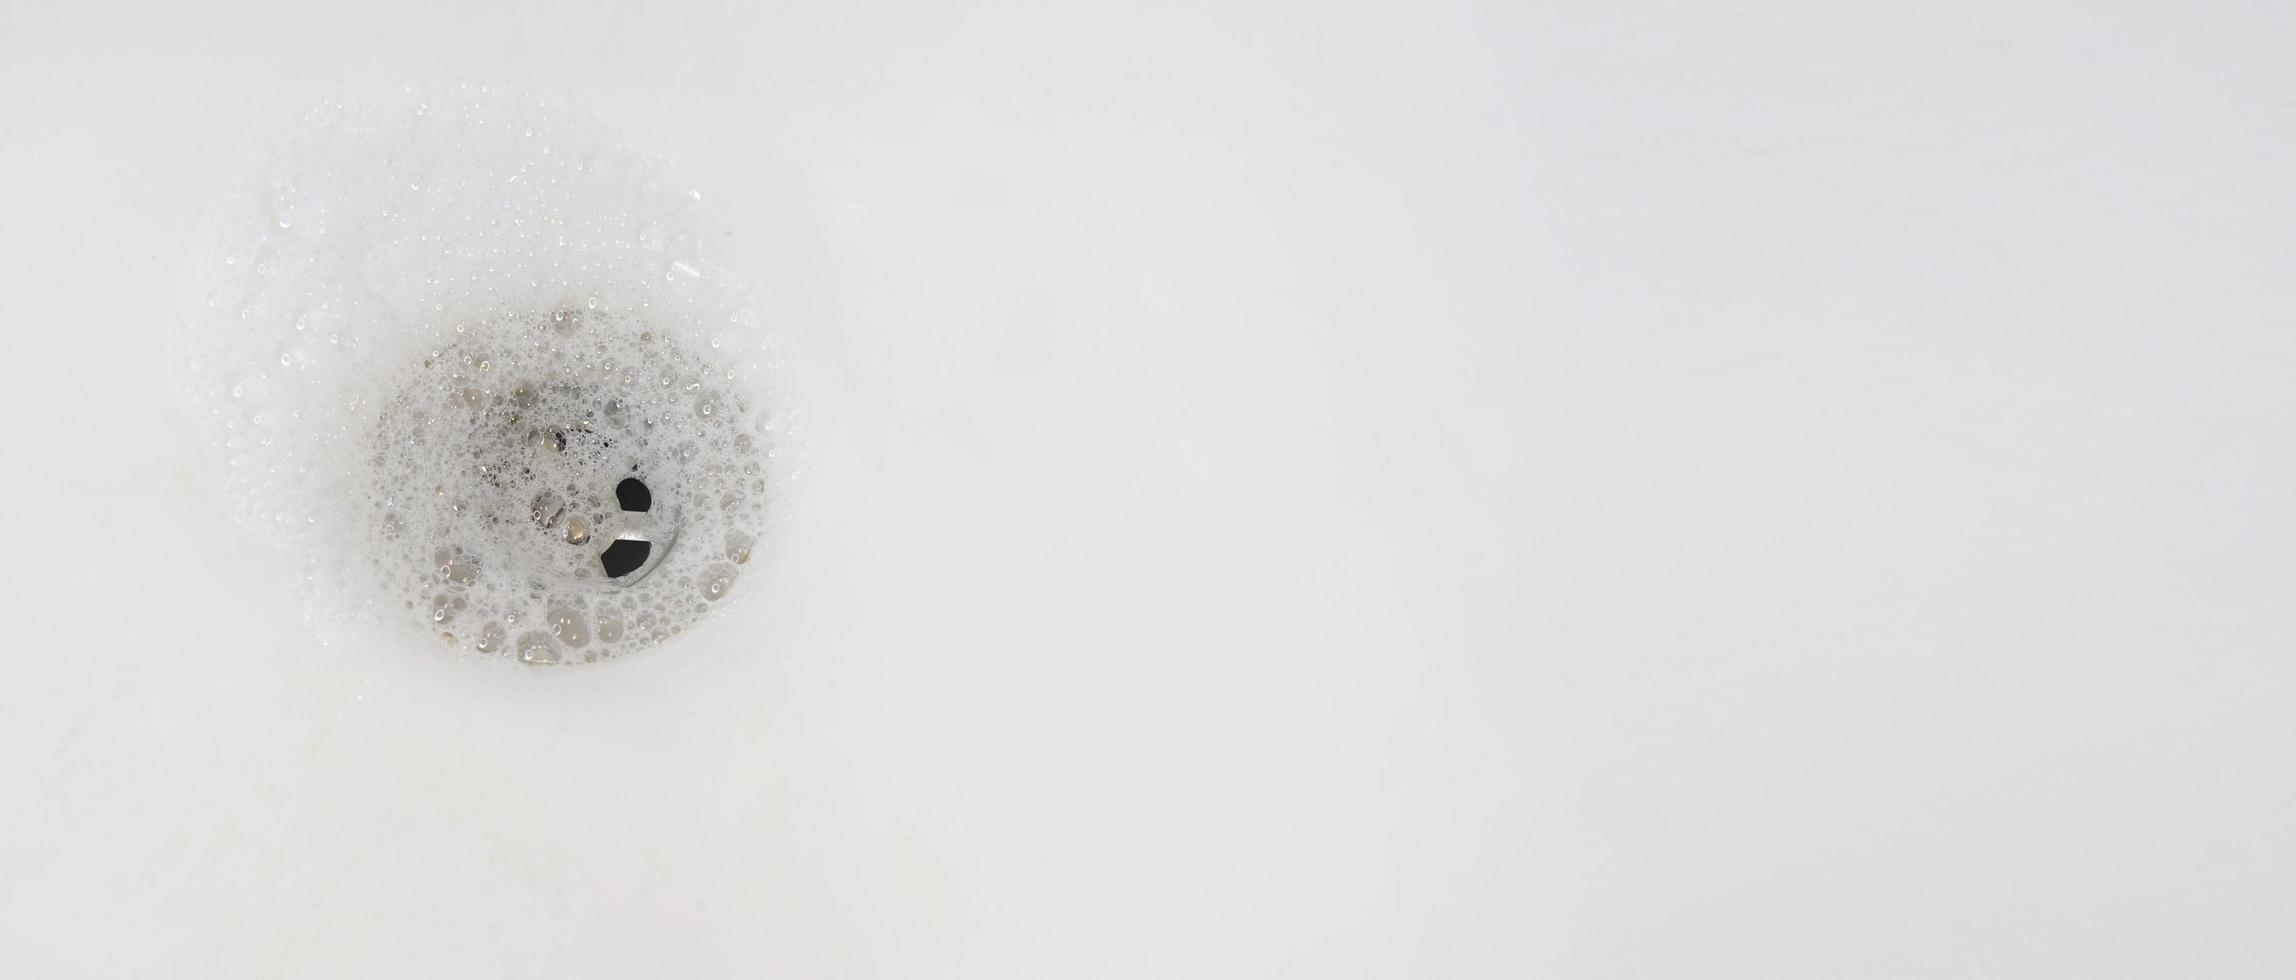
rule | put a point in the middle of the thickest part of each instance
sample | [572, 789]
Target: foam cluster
[457, 347]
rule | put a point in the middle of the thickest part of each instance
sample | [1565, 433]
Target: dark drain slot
[623, 557]
[633, 494]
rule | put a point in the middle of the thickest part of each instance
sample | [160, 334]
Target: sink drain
[573, 486]
[458, 348]
[627, 541]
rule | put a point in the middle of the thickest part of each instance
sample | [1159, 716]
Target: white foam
[433, 332]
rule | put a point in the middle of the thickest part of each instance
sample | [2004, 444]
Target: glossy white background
[1418, 490]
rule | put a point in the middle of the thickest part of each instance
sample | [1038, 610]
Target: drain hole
[634, 495]
[623, 557]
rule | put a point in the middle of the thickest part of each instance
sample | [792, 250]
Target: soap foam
[433, 336]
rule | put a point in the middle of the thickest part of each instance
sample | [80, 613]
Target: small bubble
[491, 637]
[536, 647]
[568, 625]
[716, 580]
[547, 509]
[455, 568]
[737, 547]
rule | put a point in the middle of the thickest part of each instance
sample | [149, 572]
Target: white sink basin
[1587, 491]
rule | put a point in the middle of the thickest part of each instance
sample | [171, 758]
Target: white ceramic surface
[1362, 490]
